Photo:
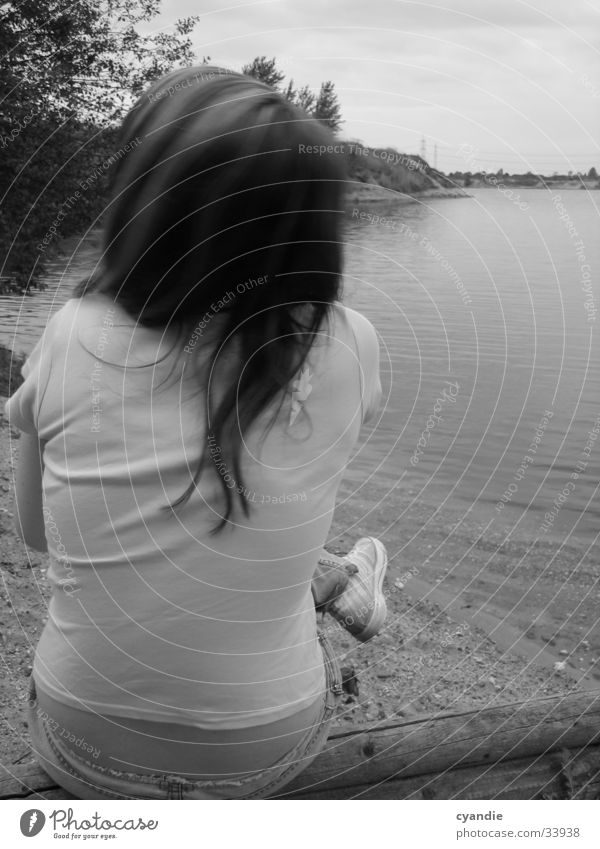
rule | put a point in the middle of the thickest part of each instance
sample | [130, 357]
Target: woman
[187, 418]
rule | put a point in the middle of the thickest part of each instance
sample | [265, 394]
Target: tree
[86, 54]
[324, 107]
[69, 69]
[290, 93]
[327, 108]
[305, 99]
[265, 70]
[592, 174]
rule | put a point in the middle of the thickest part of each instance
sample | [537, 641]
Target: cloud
[507, 75]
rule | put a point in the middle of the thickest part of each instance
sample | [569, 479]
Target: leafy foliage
[324, 107]
[265, 70]
[327, 108]
[69, 69]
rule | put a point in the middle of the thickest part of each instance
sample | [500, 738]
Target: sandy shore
[436, 653]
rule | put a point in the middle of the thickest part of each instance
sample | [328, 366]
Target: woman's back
[152, 616]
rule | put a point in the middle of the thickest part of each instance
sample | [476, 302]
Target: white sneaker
[361, 608]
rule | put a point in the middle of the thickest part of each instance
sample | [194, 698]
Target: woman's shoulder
[93, 305]
[356, 321]
[77, 310]
[62, 316]
[350, 322]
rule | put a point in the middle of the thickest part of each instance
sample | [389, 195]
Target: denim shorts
[85, 780]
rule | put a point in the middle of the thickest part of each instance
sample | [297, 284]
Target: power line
[477, 152]
[525, 159]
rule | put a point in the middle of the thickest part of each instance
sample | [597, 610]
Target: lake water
[490, 302]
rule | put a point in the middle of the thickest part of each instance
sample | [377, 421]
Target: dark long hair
[218, 180]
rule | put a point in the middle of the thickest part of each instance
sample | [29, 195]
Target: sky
[487, 84]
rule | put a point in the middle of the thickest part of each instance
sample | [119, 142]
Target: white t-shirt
[152, 616]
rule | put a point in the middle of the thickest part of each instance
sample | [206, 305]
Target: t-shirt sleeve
[368, 351]
[23, 406]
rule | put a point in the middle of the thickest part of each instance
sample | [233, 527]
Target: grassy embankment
[384, 174]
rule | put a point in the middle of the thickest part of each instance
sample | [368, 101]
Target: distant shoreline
[371, 193]
[570, 186]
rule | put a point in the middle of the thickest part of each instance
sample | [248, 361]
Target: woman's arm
[27, 504]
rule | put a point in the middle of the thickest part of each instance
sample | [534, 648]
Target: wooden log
[432, 745]
[568, 774]
[542, 748]
[21, 780]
